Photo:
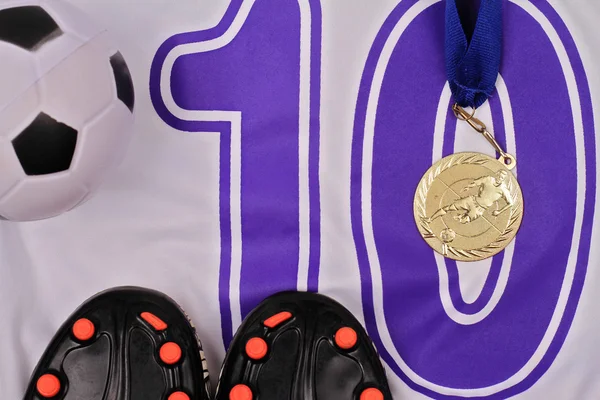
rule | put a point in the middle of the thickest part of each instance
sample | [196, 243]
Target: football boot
[123, 344]
[302, 346]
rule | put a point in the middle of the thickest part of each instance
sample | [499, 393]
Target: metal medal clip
[509, 161]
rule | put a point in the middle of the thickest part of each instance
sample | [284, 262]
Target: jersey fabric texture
[278, 145]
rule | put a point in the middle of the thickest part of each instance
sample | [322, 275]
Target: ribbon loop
[472, 66]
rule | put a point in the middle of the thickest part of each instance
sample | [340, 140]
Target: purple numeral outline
[370, 276]
[228, 125]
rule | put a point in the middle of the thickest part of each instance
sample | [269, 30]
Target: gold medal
[469, 206]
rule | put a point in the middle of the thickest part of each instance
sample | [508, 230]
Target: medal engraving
[468, 206]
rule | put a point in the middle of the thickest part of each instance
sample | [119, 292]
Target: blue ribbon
[472, 65]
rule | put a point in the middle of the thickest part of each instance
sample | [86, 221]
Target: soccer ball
[66, 108]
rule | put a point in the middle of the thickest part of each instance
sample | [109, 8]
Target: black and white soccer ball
[66, 108]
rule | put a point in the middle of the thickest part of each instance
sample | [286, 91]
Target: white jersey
[278, 145]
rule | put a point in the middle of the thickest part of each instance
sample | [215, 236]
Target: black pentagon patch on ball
[28, 27]
[46, 146]
[123, 80]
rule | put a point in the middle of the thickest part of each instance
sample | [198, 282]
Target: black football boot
[302, 346]
[123, 344]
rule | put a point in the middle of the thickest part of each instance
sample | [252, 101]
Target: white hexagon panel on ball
[66, 108]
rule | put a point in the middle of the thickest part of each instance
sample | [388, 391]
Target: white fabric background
[155, 222]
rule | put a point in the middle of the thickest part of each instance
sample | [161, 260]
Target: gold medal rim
[470, 255]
